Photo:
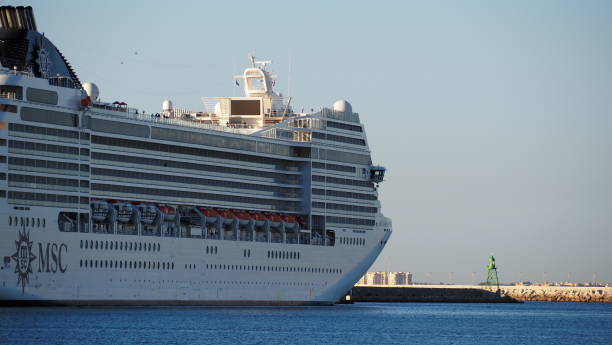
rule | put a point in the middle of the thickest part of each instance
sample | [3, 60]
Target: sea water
[360, 323]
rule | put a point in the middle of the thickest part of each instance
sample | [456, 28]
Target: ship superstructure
[244, 202]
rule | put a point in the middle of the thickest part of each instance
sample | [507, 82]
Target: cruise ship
[244, 202]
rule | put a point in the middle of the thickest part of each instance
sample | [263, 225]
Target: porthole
[120, 264]
[81, 244]
[140, 246]
[10, 219]
[85, 263]
[105, 263]
[20, 221]
[44, 222]
[106, 245]
[164, 265]
[38, 222]
[81, 263]
[206, 249]
[96, 262]
[111, 245]
[27, 221]
[96, 246]
[149, 246]
[130, 245]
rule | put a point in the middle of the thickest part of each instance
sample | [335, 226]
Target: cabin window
[9, 108]
[11, 92]
[41, 96]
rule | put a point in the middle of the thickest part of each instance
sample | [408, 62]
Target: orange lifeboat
[208, 212]
[290, 221]
[168, 211]
[258, 217]
[273, 217]
[243, 216]
[288, 218]
[227, 215]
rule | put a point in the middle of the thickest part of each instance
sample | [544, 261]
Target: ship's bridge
[377, 174]
[259, 107]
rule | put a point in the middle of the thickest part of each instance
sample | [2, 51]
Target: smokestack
[12, 17]
[17, 18]
[30, 14]
[3, 18]
[21, 21]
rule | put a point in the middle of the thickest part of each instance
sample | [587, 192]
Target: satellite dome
[92, 91]
[167, 105]
[343, 106]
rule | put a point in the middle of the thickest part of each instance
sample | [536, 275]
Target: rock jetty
[479, 294]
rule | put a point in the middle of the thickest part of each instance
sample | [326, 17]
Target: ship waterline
[244, 203]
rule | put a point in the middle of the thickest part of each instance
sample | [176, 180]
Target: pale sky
[494, 118]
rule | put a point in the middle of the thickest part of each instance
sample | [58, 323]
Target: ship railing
[114, 107]
[15, 71]
[340, 115]
[158, 118]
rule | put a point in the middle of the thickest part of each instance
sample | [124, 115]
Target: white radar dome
[167, 105]
[343, 106]
[92, 91]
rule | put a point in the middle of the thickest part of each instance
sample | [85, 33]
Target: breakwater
[559, 293]
[479, 294]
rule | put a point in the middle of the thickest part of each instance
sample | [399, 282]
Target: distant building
[386, 278]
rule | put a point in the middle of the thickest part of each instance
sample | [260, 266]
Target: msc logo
[23, 258]
[49, 258]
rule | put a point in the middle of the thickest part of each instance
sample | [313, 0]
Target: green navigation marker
[492, 278]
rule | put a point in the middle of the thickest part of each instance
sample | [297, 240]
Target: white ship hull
[58, 275]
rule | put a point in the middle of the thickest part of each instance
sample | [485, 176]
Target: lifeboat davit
[243, 217]
[227, 216]
[275, 219]
[99, 210]
[148, 213]
[124, 211]
[259, 218]
[290, 221]
[168, 211]
[301, 221]
[210, 214]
